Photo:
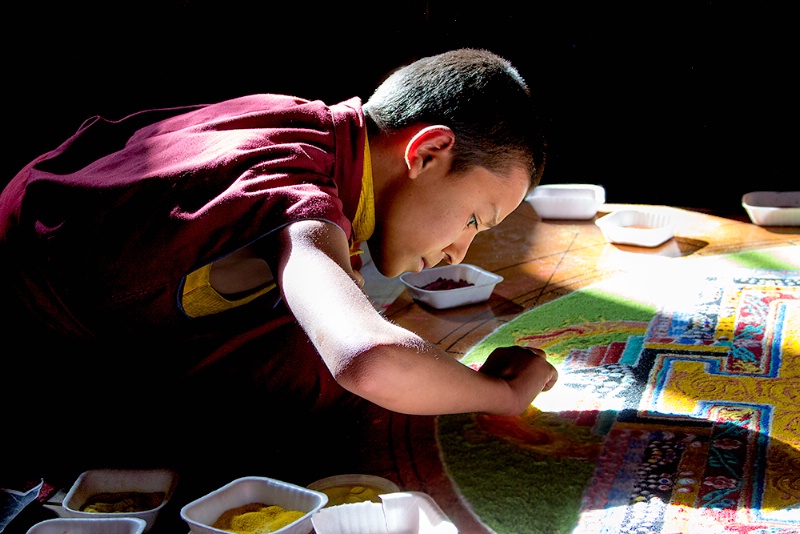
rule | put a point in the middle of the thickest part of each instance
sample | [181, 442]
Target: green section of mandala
[586, 306]
[513, 478]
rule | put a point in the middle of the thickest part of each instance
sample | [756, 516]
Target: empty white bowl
[567, 201]
[482, 281]
[636, 227]
[100, 525]
[204, 512]
[120, 481]
[773, 208]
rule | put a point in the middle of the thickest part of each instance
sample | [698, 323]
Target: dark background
[665, 102]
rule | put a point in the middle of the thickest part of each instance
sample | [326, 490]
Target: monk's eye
[473, 221]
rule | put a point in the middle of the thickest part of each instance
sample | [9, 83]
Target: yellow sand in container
[256, 518]
[347, 494]
[120, 502]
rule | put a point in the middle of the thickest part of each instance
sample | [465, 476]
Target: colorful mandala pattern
[691, 421]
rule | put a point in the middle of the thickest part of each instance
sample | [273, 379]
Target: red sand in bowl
[446, 283]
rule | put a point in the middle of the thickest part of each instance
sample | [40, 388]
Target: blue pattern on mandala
[716, 499]
[633, 349]
[743, 355]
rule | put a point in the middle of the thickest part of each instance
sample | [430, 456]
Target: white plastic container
[636, 227]
[408, 512]
[773, 208]
[100, 525]
[374, 485]
[567, 201]
[203, 512]
[483, 284]
[96, 481]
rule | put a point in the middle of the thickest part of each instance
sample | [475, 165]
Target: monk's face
[434, 217]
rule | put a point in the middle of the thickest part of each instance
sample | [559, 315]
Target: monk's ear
[430, 145]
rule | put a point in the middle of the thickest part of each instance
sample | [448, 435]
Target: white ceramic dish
[203, 512]
[567, 201]
[409, 512]
[483, 284]
[335, 487]
[773, 208]
[100, 525]
[97, 481]
[636, 227]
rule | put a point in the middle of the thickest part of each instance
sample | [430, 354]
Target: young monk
[215, 247]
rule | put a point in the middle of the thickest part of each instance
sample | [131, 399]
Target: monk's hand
[525, 369]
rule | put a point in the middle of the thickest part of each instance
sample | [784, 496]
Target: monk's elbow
[369, 374]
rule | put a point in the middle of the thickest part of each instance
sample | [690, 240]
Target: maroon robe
[97, 236]
[102, 231]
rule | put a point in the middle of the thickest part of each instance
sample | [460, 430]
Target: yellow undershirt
[200, 299]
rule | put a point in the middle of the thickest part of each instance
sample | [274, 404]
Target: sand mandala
[677, 411]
